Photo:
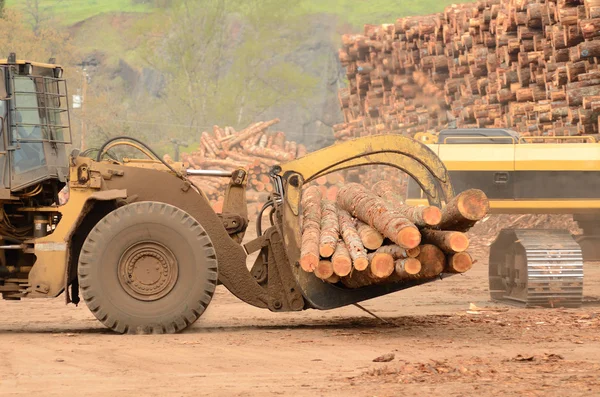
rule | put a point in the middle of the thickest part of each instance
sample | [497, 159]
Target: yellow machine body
[529, 175]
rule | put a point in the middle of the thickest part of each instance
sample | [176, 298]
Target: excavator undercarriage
[536, 267]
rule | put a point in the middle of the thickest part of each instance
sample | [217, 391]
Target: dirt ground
[439, 347]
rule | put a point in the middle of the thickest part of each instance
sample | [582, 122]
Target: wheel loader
[529, 175]
[138, 239]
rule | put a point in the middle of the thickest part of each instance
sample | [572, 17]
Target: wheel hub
[148, 270]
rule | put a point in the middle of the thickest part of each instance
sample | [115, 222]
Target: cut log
[388, 191]
[398, 252]
[353, 242]
[330, 229]
[420, 215]
[373, 210]
[341, 260]
[381, 265]
[334, 279]
[248, 133]
[370, 237]
[447, 241]
[464, 210]
[311, 226]
[433, 261]
[324, 269]
[407, 267]
[459, 262]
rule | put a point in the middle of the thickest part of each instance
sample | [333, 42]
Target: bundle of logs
[254, 148]
[369, 236]
[528, 65]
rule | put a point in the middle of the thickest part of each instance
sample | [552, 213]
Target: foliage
[360, 12]
[73, 11]
[224, 63]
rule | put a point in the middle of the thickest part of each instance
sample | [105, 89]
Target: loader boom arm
[400, 152]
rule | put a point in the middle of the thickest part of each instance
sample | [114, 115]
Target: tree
[38, 14]
[2, 8]
[226, 61]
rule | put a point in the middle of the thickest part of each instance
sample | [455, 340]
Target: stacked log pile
[254, 148]
[528, 65]
[257, 149]
[369, 236]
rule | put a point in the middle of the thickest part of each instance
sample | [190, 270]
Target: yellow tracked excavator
[138, 239]
[529, 175]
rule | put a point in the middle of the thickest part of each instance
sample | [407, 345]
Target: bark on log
[398, 252]
[373, 210]
[330, 229]
[370, 237]
[249, 133]
[341, 260]
[334, 279]
[311, 228]
[353, 242]
[407, 267]
[464, 210]
[447, 241]
[420, 216]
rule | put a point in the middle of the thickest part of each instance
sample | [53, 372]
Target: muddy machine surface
[138, 239]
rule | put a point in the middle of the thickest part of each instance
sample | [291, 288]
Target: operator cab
[34, 125]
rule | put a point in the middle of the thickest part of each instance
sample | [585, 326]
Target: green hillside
[69, 12]
[354, 12]
[360, 12]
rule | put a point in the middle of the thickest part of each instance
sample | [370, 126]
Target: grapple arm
[400, 152]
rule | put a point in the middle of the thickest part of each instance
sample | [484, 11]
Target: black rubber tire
[132, 224]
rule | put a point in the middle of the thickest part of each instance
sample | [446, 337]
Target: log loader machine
[529, 175]
[138, 239]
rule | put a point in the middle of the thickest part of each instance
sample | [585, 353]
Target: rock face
[311, 123]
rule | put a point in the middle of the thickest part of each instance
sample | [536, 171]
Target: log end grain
[458, 242]
[433, 261]
[324, 269]
[326, 250]
[411, 266]
[432, 216]
[459, 263]
[413, 252]
[382, 265]
[342, 262]
[473, 204]
[360, 264]
[309, 262]
[409, 237]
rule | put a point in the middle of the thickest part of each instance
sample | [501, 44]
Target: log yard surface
[444, 338]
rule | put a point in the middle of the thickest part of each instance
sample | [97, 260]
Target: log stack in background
[528, 65]
[254, 148]
[369, 236]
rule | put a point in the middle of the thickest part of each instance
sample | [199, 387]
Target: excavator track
[536, 267]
